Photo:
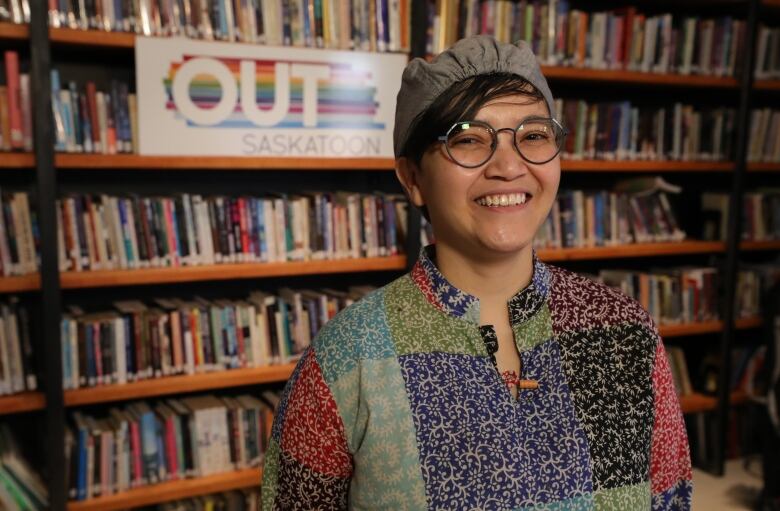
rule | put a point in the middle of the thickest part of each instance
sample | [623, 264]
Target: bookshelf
[645, 166]
[179, 384]
[50, 167]
[763, 167]
[133, 161]
[697, 403]
[705, 327]
[749, 246]
[632, 250]
[108, 278]
[773, 85]
[13, 31]
[636, 77]
[171, 490]
[280, 373]
[22, 402]
[20, 284]
[68, 36]
[16, 160]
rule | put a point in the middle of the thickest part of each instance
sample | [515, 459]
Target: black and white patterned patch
[609, 371]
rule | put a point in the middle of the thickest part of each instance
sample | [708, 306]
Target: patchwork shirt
[398, 405]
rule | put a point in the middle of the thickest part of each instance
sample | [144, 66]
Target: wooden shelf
[179, 384]
[773, 85]
[269, 374]
[30, 282]
[22, 402]
[608, 75]
[705, 327]
[69, 36]
[137, 162]
[107, 278]
[760, 245]
[646, 166]
[16, 160]
[763, 167]
[748, 323]
[14, 31]
[695, 403]
[632, 250]
[172, 490]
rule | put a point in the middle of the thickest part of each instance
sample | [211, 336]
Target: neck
[491, 280]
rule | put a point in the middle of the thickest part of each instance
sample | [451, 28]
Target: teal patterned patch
[535, 331]
[270, 475]
[624, 498]
[359, 332]
[581, 503]
[419, 327]
[381, 437]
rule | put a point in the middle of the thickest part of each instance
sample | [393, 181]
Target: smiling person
[484, 378]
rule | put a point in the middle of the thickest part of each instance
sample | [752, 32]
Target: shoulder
[358, 332]
[578, 303]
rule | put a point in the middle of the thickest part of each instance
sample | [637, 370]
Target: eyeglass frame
[494, 132]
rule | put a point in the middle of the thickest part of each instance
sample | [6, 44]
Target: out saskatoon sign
[203, 98]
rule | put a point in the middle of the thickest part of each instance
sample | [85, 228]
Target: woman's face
[494, 209]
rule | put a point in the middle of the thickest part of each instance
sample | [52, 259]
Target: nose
[506, 162]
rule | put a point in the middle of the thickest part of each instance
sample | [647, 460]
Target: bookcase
[47, 289]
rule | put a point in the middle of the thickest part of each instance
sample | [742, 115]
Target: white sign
[228, 99]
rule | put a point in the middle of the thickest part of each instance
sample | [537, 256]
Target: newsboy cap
[423, 82]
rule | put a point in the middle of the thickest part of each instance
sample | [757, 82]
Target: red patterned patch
[670, 459]
[423, 282]
[578, 303]
[313, 432]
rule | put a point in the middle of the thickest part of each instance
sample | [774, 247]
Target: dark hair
[460, 102]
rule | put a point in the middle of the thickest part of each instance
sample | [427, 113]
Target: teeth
[495, 201]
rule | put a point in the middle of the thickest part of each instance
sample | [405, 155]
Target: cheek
[550, 182]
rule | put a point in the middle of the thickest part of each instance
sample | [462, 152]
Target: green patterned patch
[358, 332]
[535, 331]
[270, 475]
[625, 498]
[418, 327]
[372, 402]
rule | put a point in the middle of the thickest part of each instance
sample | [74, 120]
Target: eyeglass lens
[471, 144]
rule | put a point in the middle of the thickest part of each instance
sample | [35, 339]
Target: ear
[408, 174]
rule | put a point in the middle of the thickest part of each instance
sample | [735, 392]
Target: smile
[503, 200]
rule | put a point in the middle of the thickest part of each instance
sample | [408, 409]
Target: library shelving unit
[177, 384]
[637, 77]
[108, 278]
[50, 283]
[13, 32]
[22, 402]
[16, 160]
[19, 284]
[135, 162]
[171, 490]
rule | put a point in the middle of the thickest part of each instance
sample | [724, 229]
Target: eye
[466, 140]
[470, 137]
[536, 136]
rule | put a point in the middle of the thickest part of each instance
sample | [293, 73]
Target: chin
[507, 246]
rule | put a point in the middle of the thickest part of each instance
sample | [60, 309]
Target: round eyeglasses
[471, 144]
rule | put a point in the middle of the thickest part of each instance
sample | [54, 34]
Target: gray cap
[422, 82]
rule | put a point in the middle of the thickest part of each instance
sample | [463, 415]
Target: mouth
[503, 200]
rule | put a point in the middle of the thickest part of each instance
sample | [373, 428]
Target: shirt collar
[456, 303]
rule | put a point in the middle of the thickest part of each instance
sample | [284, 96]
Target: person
[484, 378]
